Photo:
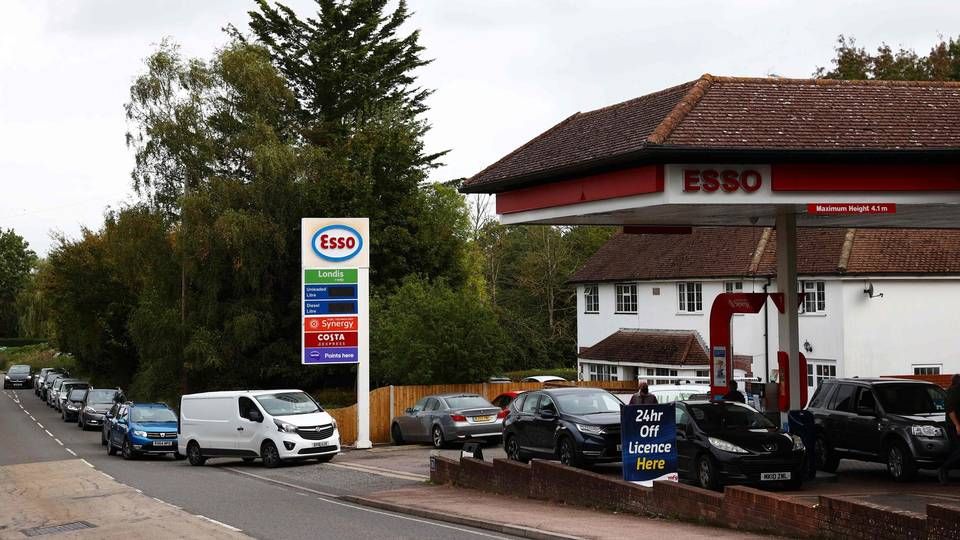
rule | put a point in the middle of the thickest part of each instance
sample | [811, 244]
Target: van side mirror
[255, 416]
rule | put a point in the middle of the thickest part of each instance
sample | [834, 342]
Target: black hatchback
[724, 442]
[575, 425]
[898, 422]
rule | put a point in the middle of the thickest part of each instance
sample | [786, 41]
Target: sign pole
[363, 366]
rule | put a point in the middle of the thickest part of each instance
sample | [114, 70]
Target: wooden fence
[390, 401]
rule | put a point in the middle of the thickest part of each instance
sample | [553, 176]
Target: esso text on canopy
[726, 180]
[337, 243]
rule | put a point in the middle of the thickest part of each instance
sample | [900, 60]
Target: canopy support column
[789, 322]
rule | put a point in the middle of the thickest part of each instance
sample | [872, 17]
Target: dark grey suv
[893, 421]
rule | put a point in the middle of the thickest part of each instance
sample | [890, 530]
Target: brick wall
[738, 507]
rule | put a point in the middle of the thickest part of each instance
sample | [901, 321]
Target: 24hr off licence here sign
[649, 443]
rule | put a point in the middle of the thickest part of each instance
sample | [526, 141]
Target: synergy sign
[335, 282]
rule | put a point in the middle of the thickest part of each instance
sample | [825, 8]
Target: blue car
[143, 428]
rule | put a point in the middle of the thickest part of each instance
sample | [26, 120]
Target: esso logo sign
[726, 180]
[337, 243]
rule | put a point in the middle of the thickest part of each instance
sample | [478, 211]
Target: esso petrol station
[764, 152]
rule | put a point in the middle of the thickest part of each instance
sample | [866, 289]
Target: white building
[879, 302]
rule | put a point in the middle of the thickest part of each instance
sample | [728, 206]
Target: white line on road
[48, 432]
[41, 426]
[58, 441]
[87, 463]
[72, 453]
[381, 472]
[220, 523]
[107, 475]
[381, 469]
[280, 482]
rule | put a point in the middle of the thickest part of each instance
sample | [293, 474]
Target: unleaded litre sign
[649, 443]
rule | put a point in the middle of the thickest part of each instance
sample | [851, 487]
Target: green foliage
[16, 262]
[852, 62]
[36, 356]
[567, 373]
[430, 333]
[20, 342]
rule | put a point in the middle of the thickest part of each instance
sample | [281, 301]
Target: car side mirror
[548, 414]
[409, 410]
[122, 422]
[866, 411]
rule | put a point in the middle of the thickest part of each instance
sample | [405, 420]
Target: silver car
[444, 418]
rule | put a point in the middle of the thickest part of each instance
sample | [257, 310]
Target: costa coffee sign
[727, 180]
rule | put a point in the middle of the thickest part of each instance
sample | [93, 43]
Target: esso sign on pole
[726, 180]
[337, 243]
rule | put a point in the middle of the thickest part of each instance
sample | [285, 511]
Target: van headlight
[932, 432]
[721, 444]
[285, 427]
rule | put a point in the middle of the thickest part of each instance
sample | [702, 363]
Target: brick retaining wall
[738, 507]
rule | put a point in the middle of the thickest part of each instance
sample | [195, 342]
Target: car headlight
[285, 427]
[90, 410]
[139, 433]
[7, 377]
[72, 407]
[721, 444]
[797, 442]
[590, 430]
[932, 432]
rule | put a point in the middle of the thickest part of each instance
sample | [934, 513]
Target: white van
[274, 425]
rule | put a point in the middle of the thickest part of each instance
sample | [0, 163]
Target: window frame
[732, 286]
[603, 372]
[684, 295]
[818, 297]
[595, 297]
[620, 303]
[935, 369]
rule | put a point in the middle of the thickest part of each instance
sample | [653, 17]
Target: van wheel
[396, 435]
[900, 463]
[194, 455]
[270, 455]
[825, 455]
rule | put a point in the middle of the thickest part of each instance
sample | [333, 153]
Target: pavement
[536, 519]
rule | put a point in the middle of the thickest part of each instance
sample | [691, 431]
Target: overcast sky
[503, 72]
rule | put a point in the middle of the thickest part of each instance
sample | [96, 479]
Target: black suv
[575, 425]
[894, 421]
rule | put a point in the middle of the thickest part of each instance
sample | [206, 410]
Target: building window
[603, 372]
[815, 300]
[591, 299]
[817, 373]
[626, 297]
[932, 369]
[662, 372]
[703, 375]
[690, 294]
[733, 286]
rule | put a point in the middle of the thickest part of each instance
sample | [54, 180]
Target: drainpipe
[766, 337]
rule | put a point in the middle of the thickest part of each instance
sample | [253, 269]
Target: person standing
[734, 394]
[952, 427]
[643, 396]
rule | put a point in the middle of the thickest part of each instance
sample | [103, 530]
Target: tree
[16, 262]
[430, 333]
[852, 62]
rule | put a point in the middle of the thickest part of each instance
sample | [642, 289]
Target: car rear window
[467, 402]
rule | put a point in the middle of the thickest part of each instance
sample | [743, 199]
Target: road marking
[425, 522]
[41, 426]
[48, 432]
[72, 453]
[88, 464]
[220, 523]
[58, 441]
[381, 469]
[280, 482]
[380, 472]
[107, 475]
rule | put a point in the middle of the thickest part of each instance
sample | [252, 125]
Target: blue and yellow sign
[649, 443]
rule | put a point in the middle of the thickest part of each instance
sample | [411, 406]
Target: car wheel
[194, 455]
[900, 463]
[512, 448]
[437, 437]
[707, 472]
[270, 455]
[111, 450]
[826, 458]
[127, 450]
[567, 452]
[396, 435]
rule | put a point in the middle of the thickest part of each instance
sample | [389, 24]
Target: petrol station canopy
[779, 144]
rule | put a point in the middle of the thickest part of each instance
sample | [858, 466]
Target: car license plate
[774, 476]
[482, 418]
[163, 443]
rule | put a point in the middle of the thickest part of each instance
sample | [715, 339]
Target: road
[291, 502]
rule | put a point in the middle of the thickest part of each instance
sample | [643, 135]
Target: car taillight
[458, 418]
[503, 414]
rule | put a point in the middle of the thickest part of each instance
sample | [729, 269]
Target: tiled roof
[731, 113]
[660, 347]
[716, 252]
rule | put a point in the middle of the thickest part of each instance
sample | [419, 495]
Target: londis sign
[728, 180]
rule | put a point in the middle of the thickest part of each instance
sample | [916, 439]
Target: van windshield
[288, 403]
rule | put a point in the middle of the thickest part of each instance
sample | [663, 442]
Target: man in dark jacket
[734, 394]
[952, 427]
[643, 396]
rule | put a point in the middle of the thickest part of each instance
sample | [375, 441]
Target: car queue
[275, 426]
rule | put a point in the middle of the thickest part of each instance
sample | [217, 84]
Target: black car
[96, 403]
[894, 421]
[46, 380]
[18, 376]
[725, 442]
[73, 404]
[575, 425]
[38, 379]
[66, 387]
